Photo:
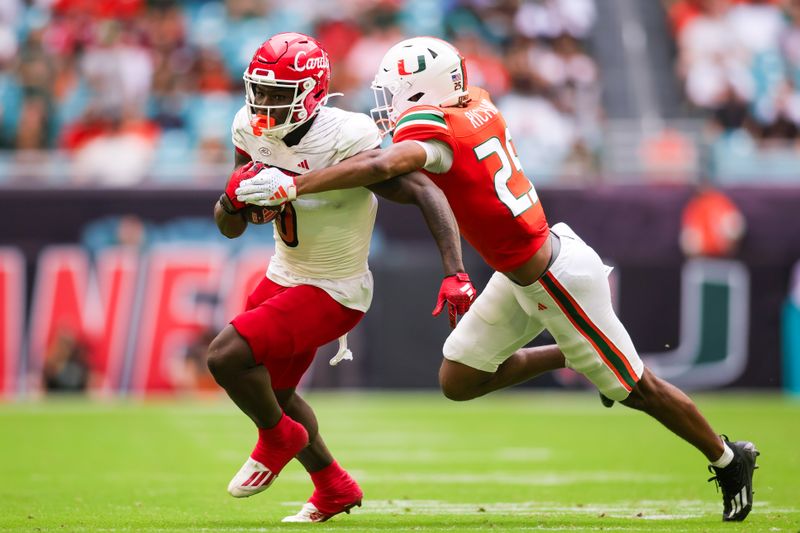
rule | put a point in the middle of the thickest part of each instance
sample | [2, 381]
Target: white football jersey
[321, 239]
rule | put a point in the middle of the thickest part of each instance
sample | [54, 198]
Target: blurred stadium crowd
[739, 62]
[123, 91]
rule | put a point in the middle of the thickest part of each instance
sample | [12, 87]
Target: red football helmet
[286, 61]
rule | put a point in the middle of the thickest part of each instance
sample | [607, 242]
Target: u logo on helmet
[401, 66]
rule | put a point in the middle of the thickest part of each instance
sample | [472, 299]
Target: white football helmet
[417, 71]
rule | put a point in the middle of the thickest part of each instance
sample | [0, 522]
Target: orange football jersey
[496, 206]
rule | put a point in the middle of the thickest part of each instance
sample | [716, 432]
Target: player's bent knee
[634, 401]
[456, 393]
[228, 354]
[454, 385]
[646, 394]
[216, 358]
[449, 387]
[286, 399]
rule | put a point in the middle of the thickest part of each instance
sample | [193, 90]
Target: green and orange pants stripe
[611, 355]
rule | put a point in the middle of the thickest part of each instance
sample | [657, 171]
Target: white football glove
[270, 187]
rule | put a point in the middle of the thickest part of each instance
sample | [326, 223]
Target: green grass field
[511, 462]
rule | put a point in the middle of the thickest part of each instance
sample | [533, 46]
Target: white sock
[725, 460]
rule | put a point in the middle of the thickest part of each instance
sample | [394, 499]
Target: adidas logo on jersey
[303, 164]
[542, 307]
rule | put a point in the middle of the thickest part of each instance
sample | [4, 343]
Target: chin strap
[344, 354]
[328, 97]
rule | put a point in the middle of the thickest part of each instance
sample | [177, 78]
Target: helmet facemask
[264, 118]
[388, 102]
[383, 113]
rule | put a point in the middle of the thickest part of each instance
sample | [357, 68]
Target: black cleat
[736, 481]
[606, 401]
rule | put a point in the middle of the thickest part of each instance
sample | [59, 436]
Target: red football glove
[242, 173]
[458, 292]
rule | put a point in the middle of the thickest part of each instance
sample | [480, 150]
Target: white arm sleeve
[439, 156]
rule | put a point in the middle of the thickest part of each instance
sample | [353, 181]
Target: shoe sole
[345, 509]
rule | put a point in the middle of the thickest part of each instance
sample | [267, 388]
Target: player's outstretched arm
[416, 188]
[227, 211]
[273, 188]
[365, 169]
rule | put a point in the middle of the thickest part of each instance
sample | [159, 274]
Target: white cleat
[251, 479]
[310, 513]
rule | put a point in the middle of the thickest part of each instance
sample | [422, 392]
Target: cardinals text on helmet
[310, 63]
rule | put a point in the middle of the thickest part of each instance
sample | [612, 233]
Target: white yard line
[646, 509]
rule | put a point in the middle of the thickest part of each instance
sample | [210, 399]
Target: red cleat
[276, 447]
[339, 497]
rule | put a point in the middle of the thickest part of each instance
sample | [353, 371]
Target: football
[256, 214]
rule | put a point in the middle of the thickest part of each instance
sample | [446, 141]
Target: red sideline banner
[134, 315]
[12, 313]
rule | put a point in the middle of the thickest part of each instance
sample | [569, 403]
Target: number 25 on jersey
[508, 178]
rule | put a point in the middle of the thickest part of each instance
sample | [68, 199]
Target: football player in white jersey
[318, 284]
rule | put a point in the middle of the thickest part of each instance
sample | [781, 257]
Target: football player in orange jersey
[546, 278]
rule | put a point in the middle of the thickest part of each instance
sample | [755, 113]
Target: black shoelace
[727, 479]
